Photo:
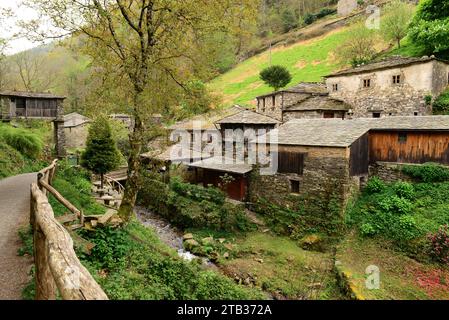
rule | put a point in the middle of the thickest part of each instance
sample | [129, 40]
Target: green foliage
[359, 48]
[192, 206]
[276, 77]
[430, 27]
[429, 172]
[402, 213]
[310, 18]
[10, 160]
[101, 154]
[74, 185]
[138, 267]
[441, 104]
[404, 190]
[395, 22]
[26, 236]
[27, 143]
[374, 185]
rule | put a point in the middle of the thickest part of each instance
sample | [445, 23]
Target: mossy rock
[312, 242]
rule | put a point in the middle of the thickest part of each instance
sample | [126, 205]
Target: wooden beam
[71, 277]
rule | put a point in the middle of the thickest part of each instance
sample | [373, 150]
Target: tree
[33, 71]
[359, 47]
[395, 23]
[430, 26]
[101, 154]
[276, 77]
[145, 52]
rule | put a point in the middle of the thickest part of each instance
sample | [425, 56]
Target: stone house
[395, 86]
[76, 128]
[305, 100]
[315, 157]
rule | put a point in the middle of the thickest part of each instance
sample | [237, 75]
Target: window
[294, 186]
[335, 87]
[273, 102]
[415, 113]
[376, 114]
[263, 105]
[367, 83]
[402, 137]
[291, 162]
[328, 115]
[397, 79]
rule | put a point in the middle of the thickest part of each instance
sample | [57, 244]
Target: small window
[415, 113]
[273, 102]
[397, 79]
[402, 137]
[294, 186]
[367, 83]
[376, 114]
[328, 115]
[263, 105]
[335, 87]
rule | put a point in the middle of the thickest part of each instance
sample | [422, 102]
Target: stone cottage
[316, 156]
[305, 100]
[395, 86]
[76, 127]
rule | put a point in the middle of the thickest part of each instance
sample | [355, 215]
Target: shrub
[441, 104]
[405, 228]
[429, 172]
[396, 205]
[276, 77]
[10, 160]
[404, 190]
[374, 185]
[27, 143]
[440, 245]
[367, 230]
[309, 18]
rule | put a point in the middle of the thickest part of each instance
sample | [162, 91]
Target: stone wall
[75, 137]
[346, 7]
[310, 114]
[326, 172]
[404, 99]
[281, 99]
[388, 172]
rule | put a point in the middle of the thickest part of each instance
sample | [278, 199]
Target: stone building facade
[393, 87]
[76, 128]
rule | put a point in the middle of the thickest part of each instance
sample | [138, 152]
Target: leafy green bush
[309, 18]
[27, 143]
[404, 190]
[396, 205]
[190, 206]
[11, 161]
[374, 185]
[367, 230]
[429, 172]
[441, 104]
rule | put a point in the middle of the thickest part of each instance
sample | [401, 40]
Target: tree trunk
[399, 43]
[132, 183]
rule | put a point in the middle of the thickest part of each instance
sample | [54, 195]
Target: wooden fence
[57, 266]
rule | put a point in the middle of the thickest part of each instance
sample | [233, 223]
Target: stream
[168, 234]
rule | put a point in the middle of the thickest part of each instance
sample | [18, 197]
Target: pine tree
[101, 154]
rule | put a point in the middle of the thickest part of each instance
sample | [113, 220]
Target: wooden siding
[291, 162]
[359, 152]
[419, 147]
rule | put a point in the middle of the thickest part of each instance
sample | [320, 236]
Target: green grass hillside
[308, 60]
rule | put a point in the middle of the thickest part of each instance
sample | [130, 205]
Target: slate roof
[35, 95]
[388, 63]
[303, 87]
[319, 102]
[74, 119]
[247, 117]
[342, 133]
[205, 121]
[219, 164]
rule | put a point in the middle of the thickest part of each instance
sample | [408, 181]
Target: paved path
[14, 213]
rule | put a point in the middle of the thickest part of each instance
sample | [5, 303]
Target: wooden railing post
[45, 285]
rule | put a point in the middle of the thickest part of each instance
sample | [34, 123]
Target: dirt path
[14, 213]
